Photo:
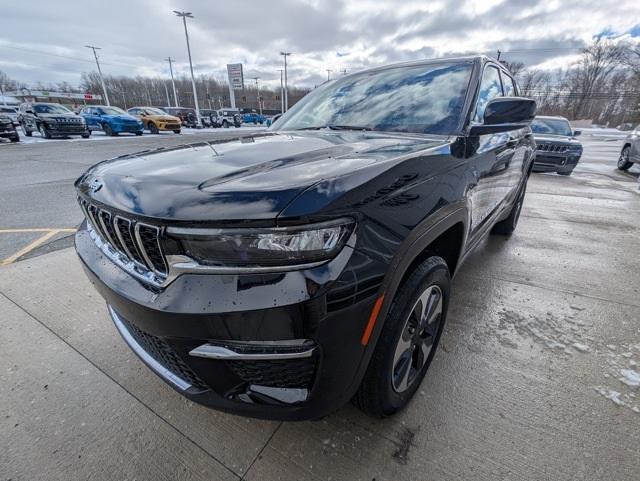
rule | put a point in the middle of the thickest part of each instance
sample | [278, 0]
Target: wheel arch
[443, 234]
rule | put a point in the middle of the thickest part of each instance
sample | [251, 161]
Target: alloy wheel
[417, 339]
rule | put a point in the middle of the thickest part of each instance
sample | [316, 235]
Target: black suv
[7, 129]
[282, 274]
[558, 150]
[50, 120]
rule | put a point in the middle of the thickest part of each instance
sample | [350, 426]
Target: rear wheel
[508, 225]
[408, 340]
[153, 128]
[623, 161]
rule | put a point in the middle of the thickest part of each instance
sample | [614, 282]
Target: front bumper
[318, 315]
[169, 125]
[121, 128]
[66, 129]
[555, 162]
[9, 134]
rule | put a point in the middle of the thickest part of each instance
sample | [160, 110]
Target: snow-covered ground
[98, 135]
[604, 133]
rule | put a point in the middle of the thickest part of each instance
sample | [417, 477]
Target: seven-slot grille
[552, 148]
[137, 241]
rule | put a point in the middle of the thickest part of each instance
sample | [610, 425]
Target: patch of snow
[580, 347]
[610, 394]
[630, 377]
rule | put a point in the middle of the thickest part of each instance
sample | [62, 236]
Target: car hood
[59, 116]
[163, 118]
[251, 178]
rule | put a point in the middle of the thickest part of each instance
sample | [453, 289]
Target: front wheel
[508, 225]
[109, 131]
[408, 341]
[623, 161]
[44, 132]
[86, 134]
[153, 128]
[26, 132]
[138, 133]
[177, 131]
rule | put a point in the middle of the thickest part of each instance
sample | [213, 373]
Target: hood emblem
[95, 185]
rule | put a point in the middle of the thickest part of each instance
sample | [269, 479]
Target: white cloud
[44, 40]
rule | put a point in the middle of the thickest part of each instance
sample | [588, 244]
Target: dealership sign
[236, 78]
[57, 95]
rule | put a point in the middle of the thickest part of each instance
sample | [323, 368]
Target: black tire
[86, 135]
[508, 225]
[177, 131]
[153, 128]
[623, 160]
[26, 132]
[16, 138]
[378, 395]
[565, 172]
[108, 130]
[139, 133]
[43, 131]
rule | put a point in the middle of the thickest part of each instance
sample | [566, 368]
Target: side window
[509, 85]
[490, 88]
[134, 111]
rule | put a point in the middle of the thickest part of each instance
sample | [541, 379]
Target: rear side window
[509, 85]
[490, 88]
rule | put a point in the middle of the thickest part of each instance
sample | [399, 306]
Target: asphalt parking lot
[536, 379]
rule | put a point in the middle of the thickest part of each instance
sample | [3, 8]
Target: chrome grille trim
[140, 244]
[127, 249]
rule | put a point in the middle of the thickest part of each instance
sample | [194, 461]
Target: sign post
[236, 81]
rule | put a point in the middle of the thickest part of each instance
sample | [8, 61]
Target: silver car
[630, 153]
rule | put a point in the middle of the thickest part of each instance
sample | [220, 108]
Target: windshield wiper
[336, 127]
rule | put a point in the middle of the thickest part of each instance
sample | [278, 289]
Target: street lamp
[173, 82]
[258, 89]
[104, 87]
[286, 92]
[281, 93]
[184, 16]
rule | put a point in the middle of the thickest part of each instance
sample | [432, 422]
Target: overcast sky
[43, 40]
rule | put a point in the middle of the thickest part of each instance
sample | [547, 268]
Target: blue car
[112, 120]
[253, 118]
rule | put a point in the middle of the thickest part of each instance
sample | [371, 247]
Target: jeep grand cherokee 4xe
[282, 274]
[51, 120]
[558, 150]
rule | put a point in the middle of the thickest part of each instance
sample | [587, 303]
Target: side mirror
[577, 132]
[505, 113]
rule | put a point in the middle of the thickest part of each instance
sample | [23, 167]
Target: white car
[228, 117]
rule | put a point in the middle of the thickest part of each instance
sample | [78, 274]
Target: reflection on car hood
[119, 117]
[249, 178]
[163, 118]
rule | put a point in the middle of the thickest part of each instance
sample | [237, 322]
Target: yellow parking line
[30, 247]
[17, 231]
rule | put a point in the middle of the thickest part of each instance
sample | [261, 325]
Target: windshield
[50, 109]
[153, 111]
[551, 127]
[421, 99]
[112, 111]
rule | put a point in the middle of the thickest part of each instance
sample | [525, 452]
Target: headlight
[270, 247]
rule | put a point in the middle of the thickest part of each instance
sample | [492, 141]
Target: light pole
[258, 89]
[281, 92]
[104, 87]
[173, 82]
[184, 16]
[329, 74]
[286, 93]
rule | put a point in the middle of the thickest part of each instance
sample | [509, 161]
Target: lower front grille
[162, 352]
[281, 373]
